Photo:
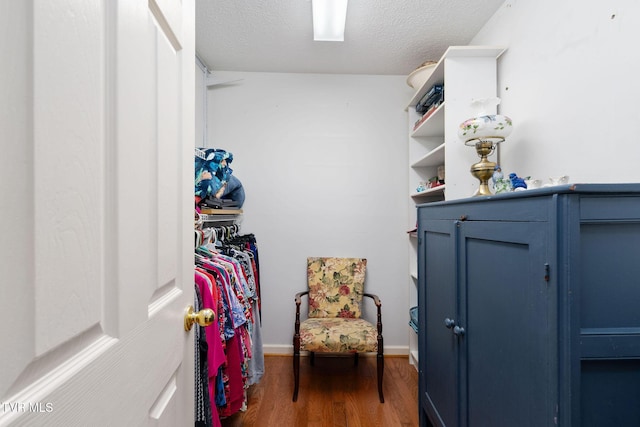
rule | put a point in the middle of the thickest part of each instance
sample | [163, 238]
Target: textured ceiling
[381, 36]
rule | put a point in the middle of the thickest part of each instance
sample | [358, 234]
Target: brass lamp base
[483, 170]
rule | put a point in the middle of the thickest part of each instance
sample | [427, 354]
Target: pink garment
[235, 399]
[215, 353]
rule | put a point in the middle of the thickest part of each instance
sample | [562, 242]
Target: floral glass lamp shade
[484, 132]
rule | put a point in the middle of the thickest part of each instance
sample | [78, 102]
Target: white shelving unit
[467, 73]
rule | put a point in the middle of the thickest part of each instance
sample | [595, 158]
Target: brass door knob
[204, 317]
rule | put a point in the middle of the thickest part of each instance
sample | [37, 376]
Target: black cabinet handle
[449, 323]
[458, 331]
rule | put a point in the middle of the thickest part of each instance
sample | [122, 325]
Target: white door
[96, 212]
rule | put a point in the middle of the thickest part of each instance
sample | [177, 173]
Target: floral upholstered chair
[334, 325]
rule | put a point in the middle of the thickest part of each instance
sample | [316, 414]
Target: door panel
[439, 344]
[509, 324]
[96, 262]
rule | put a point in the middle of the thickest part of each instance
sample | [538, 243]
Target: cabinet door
[608, 324]
[508, 349]
[437, 302]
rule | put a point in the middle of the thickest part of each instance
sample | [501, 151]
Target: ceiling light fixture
[329, 19]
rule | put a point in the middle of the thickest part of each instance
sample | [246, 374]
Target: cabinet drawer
[500, 208]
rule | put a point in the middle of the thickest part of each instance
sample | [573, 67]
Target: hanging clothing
[227, 278]
[203, 410]
[215, 353]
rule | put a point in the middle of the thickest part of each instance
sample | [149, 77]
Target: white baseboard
[280, 349]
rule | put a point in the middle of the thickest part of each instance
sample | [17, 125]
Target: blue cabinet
[529, 308]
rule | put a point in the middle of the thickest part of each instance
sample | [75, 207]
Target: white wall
[323, 160]
[570, 82]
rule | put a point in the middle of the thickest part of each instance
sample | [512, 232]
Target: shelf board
[219, 216]
[434, 157]
[433, 126]
[431, 192]
[208, 211]
[474, 51]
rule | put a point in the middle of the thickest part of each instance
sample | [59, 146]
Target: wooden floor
[334, 392]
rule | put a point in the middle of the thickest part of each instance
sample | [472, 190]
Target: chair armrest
[375, 298]
[298, 297]
[298, 300]
[378, 304]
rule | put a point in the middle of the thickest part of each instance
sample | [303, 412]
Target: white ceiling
[381, 36]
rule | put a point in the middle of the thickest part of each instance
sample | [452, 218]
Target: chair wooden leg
[380, 363]
[355, 359]
[380, 357]
[296, 375]
[312, 358]
[296, 366]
